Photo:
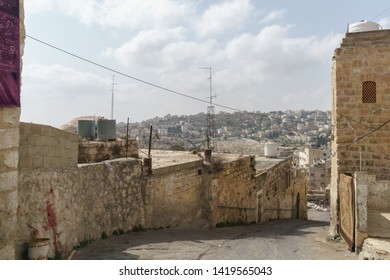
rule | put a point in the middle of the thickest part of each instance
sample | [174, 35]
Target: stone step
[375, 249]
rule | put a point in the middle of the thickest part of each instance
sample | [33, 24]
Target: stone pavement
[193, 242]
[185, 242]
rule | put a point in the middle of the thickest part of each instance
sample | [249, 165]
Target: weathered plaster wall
[278, 188]
[71, 203]
[173, 195]
[363, 56]
[230, 194]
[96, 151]
[379, 196]
[362, 182]
[9, 142]
[372, 207]
[77, 204]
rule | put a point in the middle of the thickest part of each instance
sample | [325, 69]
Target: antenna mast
[112, 96]
[210, 133]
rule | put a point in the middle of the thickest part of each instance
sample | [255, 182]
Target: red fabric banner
[9, 54]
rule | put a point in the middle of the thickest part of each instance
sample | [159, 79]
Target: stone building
[316, 162]
[310, 156]
[360, 117]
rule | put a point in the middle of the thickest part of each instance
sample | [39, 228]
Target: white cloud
[126, 13]
[37, 6]
[56, 80]
[225, 17]
[385, 23]
[56, 94]
[145, 48]
[273, 16]
[272, 52]
[268, 69]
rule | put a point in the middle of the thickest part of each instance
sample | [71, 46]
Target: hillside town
[289, 128]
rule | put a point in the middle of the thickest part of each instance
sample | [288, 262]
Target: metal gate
[347, 210]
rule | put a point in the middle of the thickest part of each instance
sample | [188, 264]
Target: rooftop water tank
[106, 130]
[271, 150]
[86, 129]
[362, 26]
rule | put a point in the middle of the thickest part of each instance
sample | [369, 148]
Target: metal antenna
[210, 133]
[112, 96]
[211, 88]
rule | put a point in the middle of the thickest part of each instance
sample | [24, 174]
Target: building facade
[360, 110]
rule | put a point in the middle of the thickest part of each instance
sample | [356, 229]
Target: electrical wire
[129, 76]
[361, 137]
[381, 13]
[360, 122]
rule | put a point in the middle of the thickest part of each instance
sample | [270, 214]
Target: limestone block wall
[357, 145]
[173, 195]
[278, 188]
[43, 146]
[298, 179]
[230, 194]
[77, 204]
[9, 142]
[96, 151]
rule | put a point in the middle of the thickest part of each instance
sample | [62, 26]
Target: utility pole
[210, 132]
[112, 96]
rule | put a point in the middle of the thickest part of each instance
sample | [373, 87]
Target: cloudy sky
[265, 55]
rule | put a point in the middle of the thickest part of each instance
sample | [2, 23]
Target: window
[369, 92]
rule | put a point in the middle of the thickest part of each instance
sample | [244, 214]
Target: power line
[361, 137]
[381, 13]
[129, 76]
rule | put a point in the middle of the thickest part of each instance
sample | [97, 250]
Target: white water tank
[362, 26]
[271, 150]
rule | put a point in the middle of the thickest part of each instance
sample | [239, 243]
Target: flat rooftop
[263, 163]
[164, 158]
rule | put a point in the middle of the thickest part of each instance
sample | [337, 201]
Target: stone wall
[359, 143]
[173, 195]
[74, 205]
[371, 208]
[230, 195]
[43, 146]
[96, 151]
[278, 188]
[379, 196]
[9, 142]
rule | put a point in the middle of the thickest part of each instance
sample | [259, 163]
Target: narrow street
[278, 240]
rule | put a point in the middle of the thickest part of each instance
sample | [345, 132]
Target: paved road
[282, 240]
